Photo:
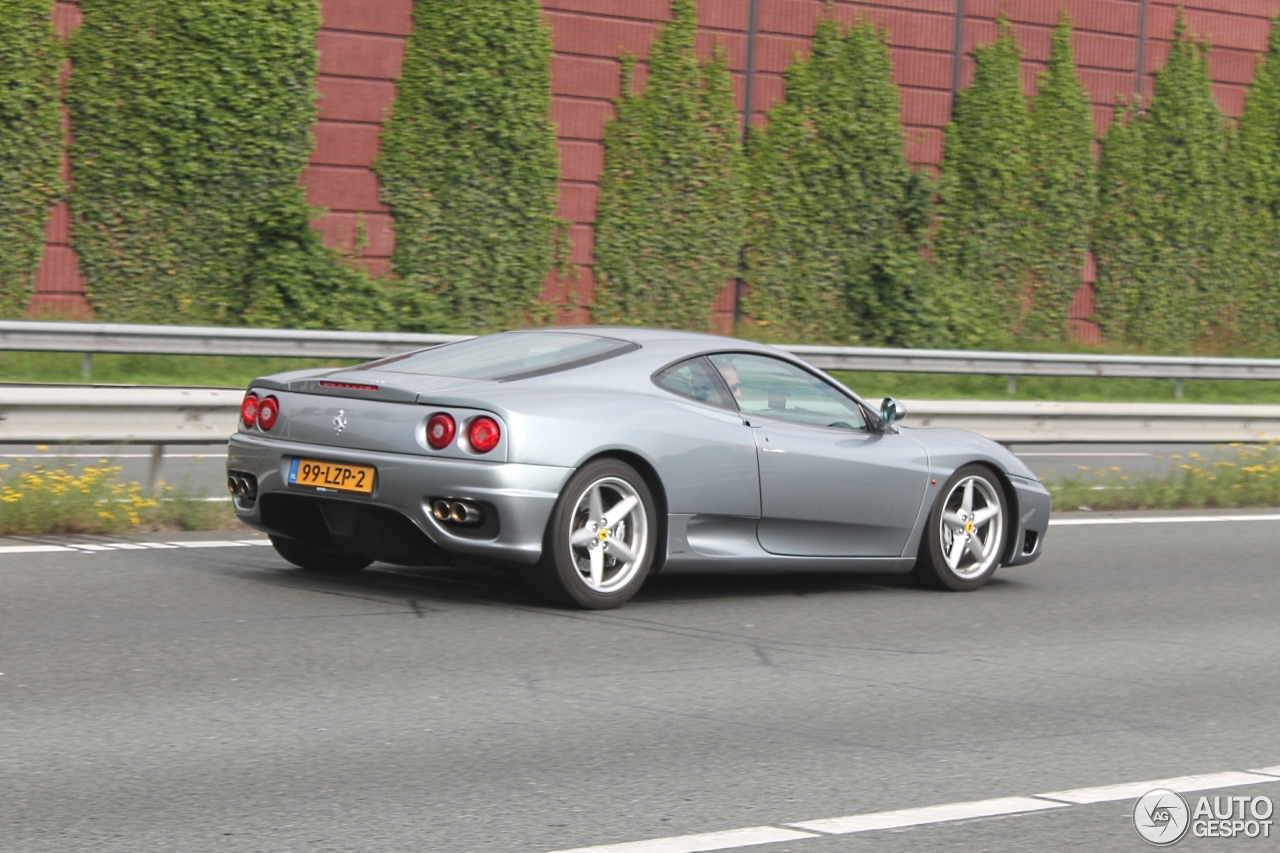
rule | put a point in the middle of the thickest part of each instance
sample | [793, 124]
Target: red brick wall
[362, 42]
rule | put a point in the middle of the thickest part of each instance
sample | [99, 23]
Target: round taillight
[268, 411]
[484, 434]
[249, 410]
[440, 430]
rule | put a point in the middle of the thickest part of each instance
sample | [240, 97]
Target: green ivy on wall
[985, 201]
[836, 217]
[192, 126]
[30, 143]
[1167, 264]
[670, 222]
[1064, 192]
[470, 166]
[1256, 182]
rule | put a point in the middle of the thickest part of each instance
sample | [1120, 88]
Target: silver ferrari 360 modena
[589, 458]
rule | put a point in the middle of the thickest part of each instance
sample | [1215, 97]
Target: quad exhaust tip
[242, 485]
[456, 512]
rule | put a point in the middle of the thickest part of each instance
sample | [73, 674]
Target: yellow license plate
[331, 475]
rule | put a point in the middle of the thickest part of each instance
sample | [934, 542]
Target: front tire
[600, 540]
[965, 533]
[316, 560]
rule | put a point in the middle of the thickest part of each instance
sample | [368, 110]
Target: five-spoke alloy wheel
[965, 535]
[601, 538]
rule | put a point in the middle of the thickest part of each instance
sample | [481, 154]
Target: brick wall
[362, 43]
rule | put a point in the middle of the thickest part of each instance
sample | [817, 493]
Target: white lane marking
[1090, 455]
[217, 543]
[1175, 519]
[35, 549]
[93, 547]
[728, 840]
[1133, 790]
[213, 455]
[928, 814]
[904, 818]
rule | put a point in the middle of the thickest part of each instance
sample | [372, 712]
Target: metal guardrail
[212, 340]
[72, 414]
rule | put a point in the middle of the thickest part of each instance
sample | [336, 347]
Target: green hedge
[1064, 192]
[670, 222]
[192, 126]
[470, 166]
[985, 201]
[1167, 257]
[1256, 183]
[30, 143]
[836, 216]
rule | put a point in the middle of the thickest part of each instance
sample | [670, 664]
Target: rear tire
[317, 560]
[600, 541]
[965, 534]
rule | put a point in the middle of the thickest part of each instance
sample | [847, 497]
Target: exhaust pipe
[242, 485]
[456, 512]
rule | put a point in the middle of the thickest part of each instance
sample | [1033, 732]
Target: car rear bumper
[1034, 504]
[518, 499]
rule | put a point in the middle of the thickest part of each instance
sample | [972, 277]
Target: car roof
[642, 336]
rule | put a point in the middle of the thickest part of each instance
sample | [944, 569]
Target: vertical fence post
[739, 283]
[1142, 47]
[957, 48]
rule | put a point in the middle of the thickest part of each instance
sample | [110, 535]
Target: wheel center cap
[603, 535]
[969, 528]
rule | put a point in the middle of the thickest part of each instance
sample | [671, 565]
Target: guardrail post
[153, 470]
[1012, 385]
[1177, 389]
[86, 366]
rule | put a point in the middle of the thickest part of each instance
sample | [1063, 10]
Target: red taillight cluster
[483, 433]
[262, 413]
[441, 430]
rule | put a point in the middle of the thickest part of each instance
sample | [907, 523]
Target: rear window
[504, 357]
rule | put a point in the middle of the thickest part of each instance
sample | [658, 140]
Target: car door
[829, 486]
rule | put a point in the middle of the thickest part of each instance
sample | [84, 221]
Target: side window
[695, 380]
[777, 389]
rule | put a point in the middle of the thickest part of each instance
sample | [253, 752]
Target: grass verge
[93, 499]
[1252, 479]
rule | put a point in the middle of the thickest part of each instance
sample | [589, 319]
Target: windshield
[514, 355]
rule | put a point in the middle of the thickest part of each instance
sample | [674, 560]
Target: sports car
[587, 459]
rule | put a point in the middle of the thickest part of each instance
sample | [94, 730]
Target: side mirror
[891, 411]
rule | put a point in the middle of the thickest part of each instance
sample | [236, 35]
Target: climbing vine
[670, 222]
[837, 217]
[1064, 192]
[192, 127]
[470, 166]
[1167, 261]
[986, 201]
[30, 143]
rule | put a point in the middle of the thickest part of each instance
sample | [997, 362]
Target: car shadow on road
[427, 588]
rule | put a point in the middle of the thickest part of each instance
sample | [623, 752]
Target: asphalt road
[217, 700]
